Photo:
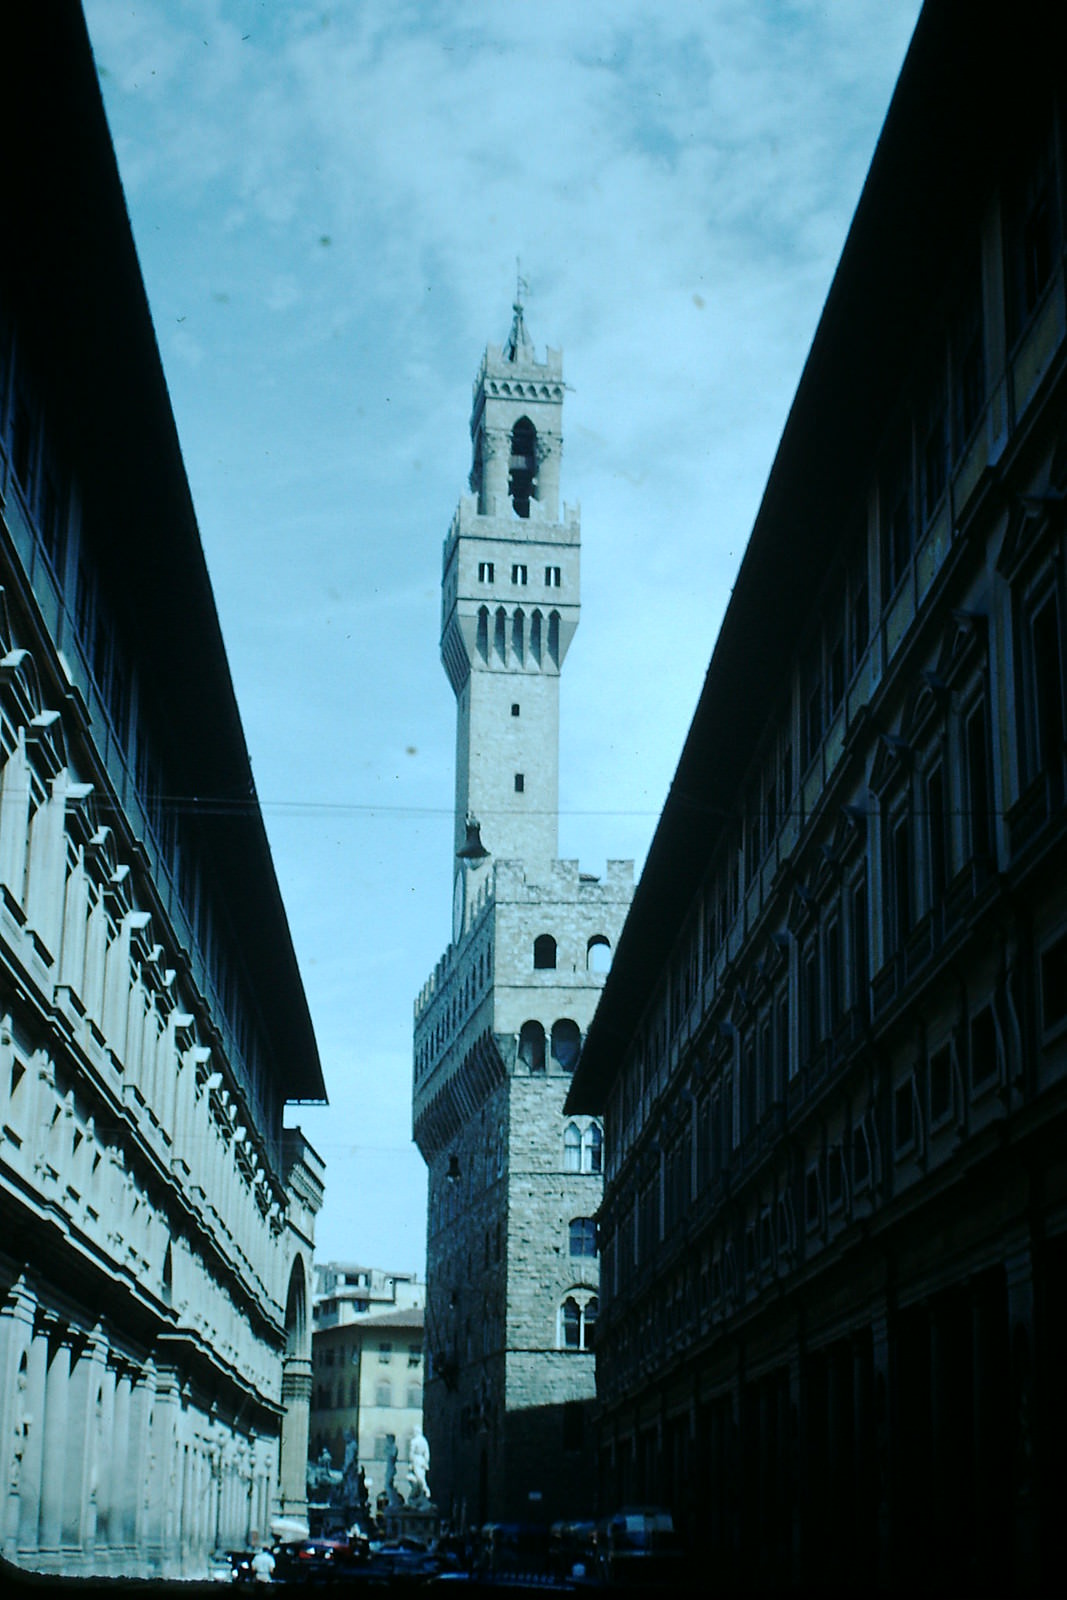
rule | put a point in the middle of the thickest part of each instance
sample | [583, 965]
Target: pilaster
[16, 1418]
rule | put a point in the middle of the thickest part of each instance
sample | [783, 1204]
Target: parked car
[638, 1545]
[512, 1549]
[572, 1549]
[403, 1558]
[318, 1560]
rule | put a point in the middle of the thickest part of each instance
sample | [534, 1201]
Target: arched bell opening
[522, 476]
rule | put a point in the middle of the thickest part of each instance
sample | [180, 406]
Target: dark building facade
[156, 1219]
[831, 1055]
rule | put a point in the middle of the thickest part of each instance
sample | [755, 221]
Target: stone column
[249, 1486]
[214, 1527]
[16, 1422]
[768, 1529]
[733, 1460]
[185, 1509]
[102, 1469]
[79, 1511]
[1026, 1554]
[496, 455]
[121, 1466]
[209, 1501]
[197, 1503]
[836, 1508]
[864, 1460]
[989, 1385]
[33, 1444]
[296, 1397]
[162, 1525]
[56, 1414]
[882, 1399]
[783, 1479]
[811, 1421]
[791, 1446]
[261, 1512]
[138, 1464]
[549, 450]
[231, 1482]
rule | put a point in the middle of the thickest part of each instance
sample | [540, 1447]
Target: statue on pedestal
[419, 1470]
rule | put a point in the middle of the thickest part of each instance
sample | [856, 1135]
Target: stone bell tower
[512, 1274]
[510, 604]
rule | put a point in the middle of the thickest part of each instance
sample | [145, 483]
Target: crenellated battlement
[562, 881]
[481, 892]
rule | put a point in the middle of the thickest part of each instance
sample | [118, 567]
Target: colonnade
[111, 1463]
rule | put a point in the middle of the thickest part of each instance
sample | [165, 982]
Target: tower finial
[518, 340]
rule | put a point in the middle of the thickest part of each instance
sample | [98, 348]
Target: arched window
[566, 1043]
[577, 1320]
[518, 635]
[593, 1149]
[598, 954]
[544, 952]
[500, 633]
[583, 1236]
[483, 632]
[572, 1148]
[523, 474]
[532, 1046]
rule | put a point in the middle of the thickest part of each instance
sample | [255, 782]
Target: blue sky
[328, 203]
